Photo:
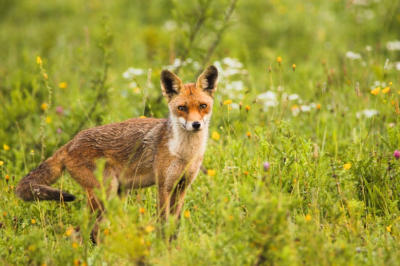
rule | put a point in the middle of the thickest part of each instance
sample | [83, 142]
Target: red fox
[138, 153]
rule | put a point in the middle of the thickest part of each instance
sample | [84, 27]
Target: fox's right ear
[170, 84]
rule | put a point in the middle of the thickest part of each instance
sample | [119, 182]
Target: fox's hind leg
[84, 175]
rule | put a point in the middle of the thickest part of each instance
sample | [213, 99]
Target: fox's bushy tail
[36, 184]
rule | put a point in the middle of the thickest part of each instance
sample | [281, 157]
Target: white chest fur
[185, 144]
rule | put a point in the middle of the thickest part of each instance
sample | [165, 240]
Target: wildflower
[63, 85]
[69, 231]
[59, 110]
[247, 108]
[142, 116]
[279, 59]
[32, 152]
[4, 214]
[266, 166]
[59, 131]
[215, 135]
[44, 106]
[187, 214]
[227, 102]
[33, 221]
[106, 231]
[308, 218]
[39, 60]
[142, 210]
[295, 180]
[248, 134]
[246, 173]
[211, 172]
[1, 163]
[396, 154]
[294, 66]
[376, 91]
[45, 75]
[229, 108]
[347, 166]
[48, 120]
[231, 217]
[149, 229]
[386, 90]
[77, 262]
[319, 106]
[7, 177]
[389, 228]
[6, 147]
[74, 245]
[390, 84]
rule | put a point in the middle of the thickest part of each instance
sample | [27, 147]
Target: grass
[330, 192]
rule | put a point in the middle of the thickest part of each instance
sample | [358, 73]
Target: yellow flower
[187, 214]
[142, 210]
[6, 147]
[33, 221]
[295, 180]
[279, 59]
[294, 66]
[74, 245]
[389, 228]
[215, 135]
[227, 102]
[45, 75]
[246, 173]
[308, 218]
[386, 90]
[248, 134]
[149, 229]
[390, 83]
[347, 166]
[69, 231]
[44, 106]
[376, 91]
[211, 172]
[247, 108]
[63, 85]
[319, 106]
[48, 120]
[142, 116]
[32, 152]
[1, 163]
[106, 231]
[39, 60]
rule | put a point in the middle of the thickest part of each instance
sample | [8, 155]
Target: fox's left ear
[207, 81]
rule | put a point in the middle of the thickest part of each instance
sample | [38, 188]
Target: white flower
[269, 95]
[351, 55]
[367, 113]
[393, 46]
[235, 85]
[292, 97]
[169, 25]
[305, 108]
[131, 72]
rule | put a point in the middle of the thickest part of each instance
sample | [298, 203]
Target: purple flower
[267, 165]
[396, 154]
[59, 131]
[59, 110]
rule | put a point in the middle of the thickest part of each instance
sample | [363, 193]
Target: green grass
[306, 209]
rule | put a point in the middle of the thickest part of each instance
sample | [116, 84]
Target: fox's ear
[170, 84]
[208, 80]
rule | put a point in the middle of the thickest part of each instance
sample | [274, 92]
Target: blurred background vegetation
[305, 69]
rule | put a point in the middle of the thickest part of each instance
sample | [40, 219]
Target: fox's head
[190, 104]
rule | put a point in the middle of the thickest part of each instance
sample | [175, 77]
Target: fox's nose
[196, 125]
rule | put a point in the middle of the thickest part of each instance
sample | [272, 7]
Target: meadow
[301, 166]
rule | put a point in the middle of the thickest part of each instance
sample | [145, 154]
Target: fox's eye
[182, 108]
[203, 106]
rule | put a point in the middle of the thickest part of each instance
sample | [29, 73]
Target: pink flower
[266, 166]
[396, 154]
[59, 131]
[59, 110]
